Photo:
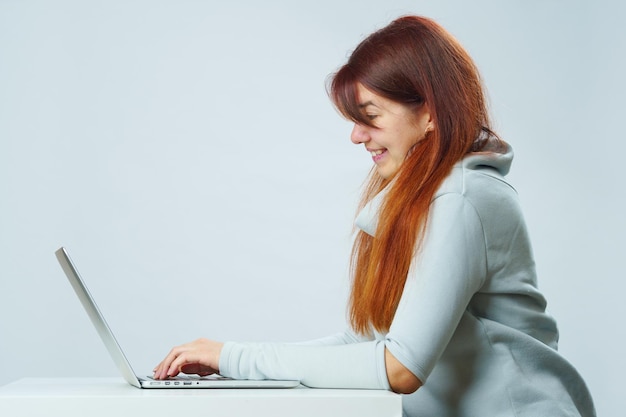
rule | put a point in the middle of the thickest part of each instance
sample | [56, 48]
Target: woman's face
[397, 128]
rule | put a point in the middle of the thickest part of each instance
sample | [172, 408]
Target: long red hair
[416, 62]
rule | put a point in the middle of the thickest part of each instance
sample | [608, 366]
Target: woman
[444, 304]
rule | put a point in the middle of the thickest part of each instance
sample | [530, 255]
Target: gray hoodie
[471, 323]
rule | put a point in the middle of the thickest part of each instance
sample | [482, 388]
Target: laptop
[181, 381]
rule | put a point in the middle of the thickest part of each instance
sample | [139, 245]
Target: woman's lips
[377, 154]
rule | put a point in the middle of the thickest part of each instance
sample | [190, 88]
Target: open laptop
[183, 381]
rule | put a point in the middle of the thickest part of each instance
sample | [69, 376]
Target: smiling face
[397, 128]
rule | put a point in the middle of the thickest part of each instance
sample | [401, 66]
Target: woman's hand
[200, 357]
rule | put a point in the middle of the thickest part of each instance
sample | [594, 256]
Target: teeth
[375, 153]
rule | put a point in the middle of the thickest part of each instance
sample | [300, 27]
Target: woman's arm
[449, 271]
[401, 380]
[203, 356]
[353, 365]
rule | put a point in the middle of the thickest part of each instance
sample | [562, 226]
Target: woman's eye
[372, 116]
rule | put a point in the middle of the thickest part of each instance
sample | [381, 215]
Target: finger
[176, 365]
[159, 366]
[160, 373]
[184, 358]
[161, 369]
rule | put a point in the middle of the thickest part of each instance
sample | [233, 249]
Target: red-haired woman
[444, 304]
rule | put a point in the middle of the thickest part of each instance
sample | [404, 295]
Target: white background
[187, 155]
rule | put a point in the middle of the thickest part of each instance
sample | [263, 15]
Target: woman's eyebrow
[367, 103]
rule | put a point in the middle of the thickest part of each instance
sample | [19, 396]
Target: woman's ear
[426, 120]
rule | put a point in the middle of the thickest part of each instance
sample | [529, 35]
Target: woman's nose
[359, 134]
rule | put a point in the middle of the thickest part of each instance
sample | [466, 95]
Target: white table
[113, 397]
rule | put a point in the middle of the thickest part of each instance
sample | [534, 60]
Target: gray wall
[187, 155]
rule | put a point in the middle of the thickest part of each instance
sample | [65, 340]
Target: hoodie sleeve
[449, 269]
[352, 365]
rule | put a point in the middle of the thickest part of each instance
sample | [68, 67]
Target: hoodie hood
[495, 160]
[498, 156]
